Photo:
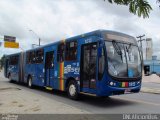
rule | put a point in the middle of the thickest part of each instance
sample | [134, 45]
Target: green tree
[137, 7]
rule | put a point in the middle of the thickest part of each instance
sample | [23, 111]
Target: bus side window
[39, 56]
[60, 52]
[101, 65]
[30, 57]
[14, 60]
[11, 60]
[71, 51]
[33, 59]
[28, 60]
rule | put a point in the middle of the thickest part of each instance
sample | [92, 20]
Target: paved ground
[15, 98]
[151, 79]
[151, 84]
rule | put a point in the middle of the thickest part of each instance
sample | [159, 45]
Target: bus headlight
[112, 83]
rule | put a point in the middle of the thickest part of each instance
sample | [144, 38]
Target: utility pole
[140, 40]
[39, 39]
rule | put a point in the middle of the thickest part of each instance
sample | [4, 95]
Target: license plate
[127, 91]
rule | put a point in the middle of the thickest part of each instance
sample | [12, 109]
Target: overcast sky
[53, 20]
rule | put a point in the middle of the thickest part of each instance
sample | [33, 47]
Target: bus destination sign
[9, 38]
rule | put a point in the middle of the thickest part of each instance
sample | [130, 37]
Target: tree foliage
[138, 7]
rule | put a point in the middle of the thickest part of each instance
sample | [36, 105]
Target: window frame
[14, 60]
[75, 50]
[30, 58]
[59, 53]
[37, 60]
[100, 75]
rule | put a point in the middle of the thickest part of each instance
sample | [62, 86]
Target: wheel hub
[72, 90]
[30, 84]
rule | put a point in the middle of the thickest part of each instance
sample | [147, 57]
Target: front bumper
[108, 90]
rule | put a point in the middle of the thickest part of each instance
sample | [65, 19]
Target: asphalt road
[133, 103]
[129, 103]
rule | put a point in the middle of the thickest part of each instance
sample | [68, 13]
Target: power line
[39, 39]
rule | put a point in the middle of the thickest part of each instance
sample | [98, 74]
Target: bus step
[49, 88]
[88, 94]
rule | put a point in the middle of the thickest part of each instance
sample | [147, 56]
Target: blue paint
[40, 74]
[130, 73]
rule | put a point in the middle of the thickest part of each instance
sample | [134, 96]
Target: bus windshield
[123, 59]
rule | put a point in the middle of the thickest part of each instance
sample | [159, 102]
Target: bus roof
[8, 55]
[96, 32]
[99, 33]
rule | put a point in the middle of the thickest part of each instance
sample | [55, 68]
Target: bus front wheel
[72, 90]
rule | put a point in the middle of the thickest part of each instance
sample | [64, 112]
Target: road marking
[139, 101]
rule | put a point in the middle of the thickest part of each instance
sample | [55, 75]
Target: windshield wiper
[117, 48]
[129, 47]
[128, 51]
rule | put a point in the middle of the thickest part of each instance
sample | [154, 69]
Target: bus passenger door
[88, 67]
[49, 69]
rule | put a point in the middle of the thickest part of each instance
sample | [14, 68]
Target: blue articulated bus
[99, 63]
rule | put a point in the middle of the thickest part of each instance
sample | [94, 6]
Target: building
[152, 66]
[149, 49]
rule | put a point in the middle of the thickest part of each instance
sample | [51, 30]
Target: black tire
[10, 79]
[72, 90]
[29, 83]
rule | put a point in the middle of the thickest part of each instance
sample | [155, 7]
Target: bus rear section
[6, 64]
[13, 68]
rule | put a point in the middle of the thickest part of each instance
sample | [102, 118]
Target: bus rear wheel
[72, 90]
[10, 79]
[30, 82]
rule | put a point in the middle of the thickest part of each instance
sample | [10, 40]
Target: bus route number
[132, 84]
[89, 40]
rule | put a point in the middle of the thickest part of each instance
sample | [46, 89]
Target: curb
[151, 82]
[150, 90]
